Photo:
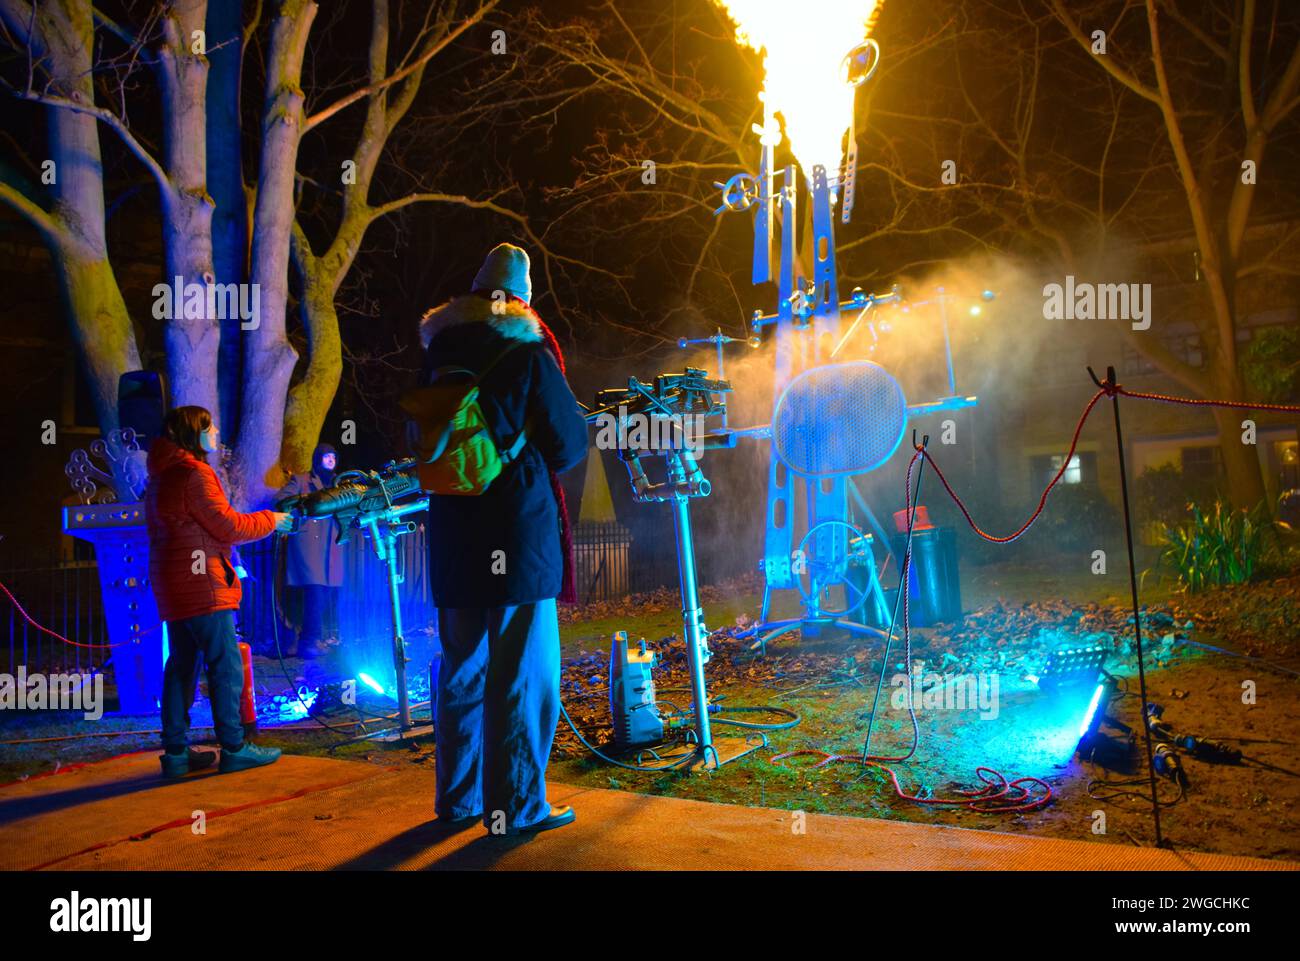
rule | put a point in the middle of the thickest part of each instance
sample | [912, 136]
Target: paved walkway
[307, 813]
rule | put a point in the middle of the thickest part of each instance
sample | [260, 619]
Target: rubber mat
[318, 814]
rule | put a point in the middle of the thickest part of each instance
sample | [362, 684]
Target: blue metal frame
[807, 335]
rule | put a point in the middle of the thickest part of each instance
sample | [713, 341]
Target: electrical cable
[275, 632]
[672, 765]
[1244, 657]
[1123, 789]
[1105, 390]
[998, 795]
[794, 721]
[716, 708]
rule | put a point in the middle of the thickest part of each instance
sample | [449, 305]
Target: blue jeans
[213, 636]
[498, 704]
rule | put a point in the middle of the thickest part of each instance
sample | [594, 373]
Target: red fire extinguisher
[247, 707]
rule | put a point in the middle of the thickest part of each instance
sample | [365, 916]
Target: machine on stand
[375, 502]
[667, 420]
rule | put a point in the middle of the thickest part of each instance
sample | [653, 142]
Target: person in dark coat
[498, 560]
[314, 557]
[192, 532]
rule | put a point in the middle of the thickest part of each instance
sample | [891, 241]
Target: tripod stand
[384, 530]
[686, 480]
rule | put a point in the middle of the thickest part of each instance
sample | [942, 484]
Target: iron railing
[60, 590]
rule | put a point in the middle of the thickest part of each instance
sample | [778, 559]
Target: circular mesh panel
[839, 419]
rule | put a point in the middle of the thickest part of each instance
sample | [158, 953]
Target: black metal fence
[60, 590]
[601, 560]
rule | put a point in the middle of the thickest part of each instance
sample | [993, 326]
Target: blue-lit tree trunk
[226, 41]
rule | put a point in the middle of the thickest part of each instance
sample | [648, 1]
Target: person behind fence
[314, 559]
[192, 530]
[499, 560]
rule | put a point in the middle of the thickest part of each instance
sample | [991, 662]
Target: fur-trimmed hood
[511, 318]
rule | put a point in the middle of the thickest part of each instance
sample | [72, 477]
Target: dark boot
[178, 765]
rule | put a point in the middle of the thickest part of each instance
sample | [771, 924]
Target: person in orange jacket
[192, 530]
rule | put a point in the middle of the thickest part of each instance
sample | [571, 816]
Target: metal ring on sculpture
[839, 419]
[740, 192]
[854, 596]
[860, 63]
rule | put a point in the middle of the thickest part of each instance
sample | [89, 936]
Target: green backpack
[452, 441]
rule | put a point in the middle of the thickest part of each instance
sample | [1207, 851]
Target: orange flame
[803, 45]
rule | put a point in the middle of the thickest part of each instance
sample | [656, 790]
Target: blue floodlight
[1086, 727]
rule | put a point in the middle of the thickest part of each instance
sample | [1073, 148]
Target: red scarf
[569, 583]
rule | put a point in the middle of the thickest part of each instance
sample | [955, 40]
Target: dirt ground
[1248, 808]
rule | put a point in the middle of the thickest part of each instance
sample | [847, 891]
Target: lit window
[1073, 474]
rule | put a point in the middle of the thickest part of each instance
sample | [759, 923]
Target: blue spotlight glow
[286, 708]
[1091, 712]
[371, 683]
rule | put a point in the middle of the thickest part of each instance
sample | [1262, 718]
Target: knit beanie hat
[506, 268]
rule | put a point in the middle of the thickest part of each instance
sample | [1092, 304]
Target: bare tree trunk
[269, 358]
[1244, 475]
[309, 400]
[73, 227]
[388, 98]
[226, 184]
[192, 341]
[101, 326]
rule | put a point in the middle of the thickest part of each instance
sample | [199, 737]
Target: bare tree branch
[1106, 62]
[110, 120]
[434, 47]
[40, 218]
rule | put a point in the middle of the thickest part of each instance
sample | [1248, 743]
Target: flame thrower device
[667, 419]
[374, 502]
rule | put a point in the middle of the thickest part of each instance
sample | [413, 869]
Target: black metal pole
[905, 575]
[1133, 587]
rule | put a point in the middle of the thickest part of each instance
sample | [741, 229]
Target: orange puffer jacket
[191, 530]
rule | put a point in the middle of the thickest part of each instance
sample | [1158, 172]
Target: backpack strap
[509, 454]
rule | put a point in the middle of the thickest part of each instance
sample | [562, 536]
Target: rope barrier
[1107, 390]
[998, 795]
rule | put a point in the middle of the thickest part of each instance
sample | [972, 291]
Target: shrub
[1217, 545]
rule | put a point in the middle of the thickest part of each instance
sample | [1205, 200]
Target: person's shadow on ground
[483, 851]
